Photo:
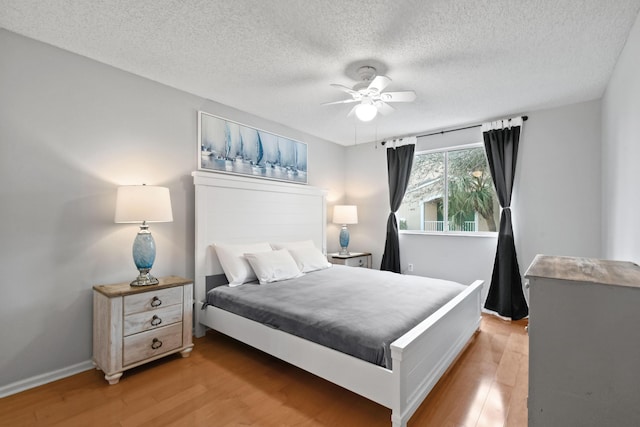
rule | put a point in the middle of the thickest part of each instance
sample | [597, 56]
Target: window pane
[421, 207]
[462, 201]
[472, 202]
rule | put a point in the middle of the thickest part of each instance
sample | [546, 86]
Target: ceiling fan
[370, 96]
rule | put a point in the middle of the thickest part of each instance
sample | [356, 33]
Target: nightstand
[135, 325]
[354, 259]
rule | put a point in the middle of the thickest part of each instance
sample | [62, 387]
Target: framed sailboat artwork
[229, 147]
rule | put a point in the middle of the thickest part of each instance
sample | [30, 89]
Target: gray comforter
[356, 311]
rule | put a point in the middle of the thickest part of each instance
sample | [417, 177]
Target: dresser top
[620, 273]
[122, 289]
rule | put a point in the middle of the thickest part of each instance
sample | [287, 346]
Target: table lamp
[143, 204]
[345, 214]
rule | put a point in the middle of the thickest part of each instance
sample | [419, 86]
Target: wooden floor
[225, 383]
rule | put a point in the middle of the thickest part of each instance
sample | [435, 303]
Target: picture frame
[230, 147]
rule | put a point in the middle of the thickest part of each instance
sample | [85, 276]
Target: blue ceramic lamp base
[344, 240]
[144, 254]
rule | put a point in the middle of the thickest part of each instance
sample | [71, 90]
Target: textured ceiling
[467, 61]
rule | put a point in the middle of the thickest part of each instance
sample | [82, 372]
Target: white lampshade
[345, 214]
[138, 203]
[366, 112]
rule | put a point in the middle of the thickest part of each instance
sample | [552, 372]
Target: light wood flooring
[226, 383]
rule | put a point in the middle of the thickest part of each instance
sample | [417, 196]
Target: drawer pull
[156, 302]
[155, 321]
[156, 344]
[361, 262]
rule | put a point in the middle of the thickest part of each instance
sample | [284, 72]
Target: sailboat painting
[230, 147]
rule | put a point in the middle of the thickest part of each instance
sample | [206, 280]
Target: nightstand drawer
[139, 322]
[361, 261]
[151, 343]
[354, 259]
[152, 300]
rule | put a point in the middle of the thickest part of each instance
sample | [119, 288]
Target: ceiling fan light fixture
[369, 97]
[366, 112]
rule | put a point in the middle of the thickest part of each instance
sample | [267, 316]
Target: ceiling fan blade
[346, 101]
[405, 96]
[379, 83]
[384, 108]
[345, 89]
[353, 111]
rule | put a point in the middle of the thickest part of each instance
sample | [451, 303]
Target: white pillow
[234, 264]
[273, 266]
[293, 245]
[309, 259]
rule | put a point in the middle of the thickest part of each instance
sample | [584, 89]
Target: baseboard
[38, 380]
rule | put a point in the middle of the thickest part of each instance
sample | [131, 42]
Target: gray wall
[556, 201]
[621, 155]
[71, 131]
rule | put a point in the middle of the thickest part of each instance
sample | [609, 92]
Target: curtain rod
[524, 119]
[442, 132]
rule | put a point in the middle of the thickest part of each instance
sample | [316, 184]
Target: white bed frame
[232, 208]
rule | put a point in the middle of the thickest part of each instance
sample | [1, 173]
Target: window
[450, 191]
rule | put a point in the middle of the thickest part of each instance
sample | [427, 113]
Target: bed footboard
[422, 355]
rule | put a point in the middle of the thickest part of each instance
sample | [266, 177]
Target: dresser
[135, 325]
[584, 342]
[354, 259]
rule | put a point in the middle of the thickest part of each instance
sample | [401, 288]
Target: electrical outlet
[410, 267]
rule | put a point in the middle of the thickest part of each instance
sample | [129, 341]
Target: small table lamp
[345, 214]
[143, 203]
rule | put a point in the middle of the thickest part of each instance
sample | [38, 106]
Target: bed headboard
[235, 209]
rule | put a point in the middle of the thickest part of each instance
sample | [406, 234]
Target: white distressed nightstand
[354, 259]
[135, 325]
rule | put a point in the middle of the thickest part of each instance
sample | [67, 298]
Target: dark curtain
[505, 293]
[399, 162]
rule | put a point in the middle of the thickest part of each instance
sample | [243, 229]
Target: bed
[236, 209]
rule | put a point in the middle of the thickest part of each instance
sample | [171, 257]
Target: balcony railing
[471, 226]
